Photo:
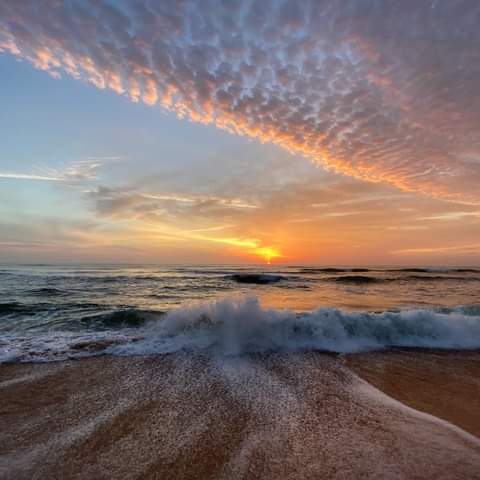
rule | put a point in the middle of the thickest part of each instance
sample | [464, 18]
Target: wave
[255, 278]
[75, 315]
[435, 270]
[47, 292]
[207, 271]
[433, 278]
[126, 318]
[320, 270]
[363, 279]
[15, 308]
[107, 279]
[313, 270]
[356, 279]
[265, 279]
[241, 326]
[410, 270]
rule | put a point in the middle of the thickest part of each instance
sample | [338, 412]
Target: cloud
[227, 202]
[384, 91]
[28, 176]
[473, 249]
[173, 214]
[174, 208]
[78, 171]
[302, 219]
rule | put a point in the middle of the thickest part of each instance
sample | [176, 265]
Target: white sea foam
[236, 326]
[58, 345]
[241, 325]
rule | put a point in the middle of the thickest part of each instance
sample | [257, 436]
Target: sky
[301, 132]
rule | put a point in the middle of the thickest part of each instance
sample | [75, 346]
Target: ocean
[61, 312]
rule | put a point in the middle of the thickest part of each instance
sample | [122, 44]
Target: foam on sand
[190, 415]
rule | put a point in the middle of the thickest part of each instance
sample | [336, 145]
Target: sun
[268, 253]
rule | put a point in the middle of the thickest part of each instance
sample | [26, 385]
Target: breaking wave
[240, 326]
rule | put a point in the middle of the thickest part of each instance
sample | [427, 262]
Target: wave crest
[243, 326]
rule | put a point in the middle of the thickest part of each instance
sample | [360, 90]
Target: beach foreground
[298, 415]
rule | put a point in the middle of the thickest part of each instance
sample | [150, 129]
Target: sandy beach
[444, 384]
[302, 415]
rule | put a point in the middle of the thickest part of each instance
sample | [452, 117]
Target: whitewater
[239, 326]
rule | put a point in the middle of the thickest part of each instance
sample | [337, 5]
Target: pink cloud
[386, 92]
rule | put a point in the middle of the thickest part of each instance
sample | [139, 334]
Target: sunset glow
[268, 253]
[307, 141]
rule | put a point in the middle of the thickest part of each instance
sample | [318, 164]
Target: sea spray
[236, 326]
[241, 325]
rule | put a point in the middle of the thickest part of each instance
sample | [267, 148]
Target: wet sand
[444, 384]
[272, 416]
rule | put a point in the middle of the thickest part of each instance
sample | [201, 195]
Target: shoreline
[303, 415]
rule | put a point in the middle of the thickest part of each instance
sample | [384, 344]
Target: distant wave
[117, 278]
[342, 277]
[320, 270]
[362, 279]
[356, 279]
[435, 270]
[433, 278]
[410, 270]
[81, 278]
[255, 278]
[313, 270]
[207, 271]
